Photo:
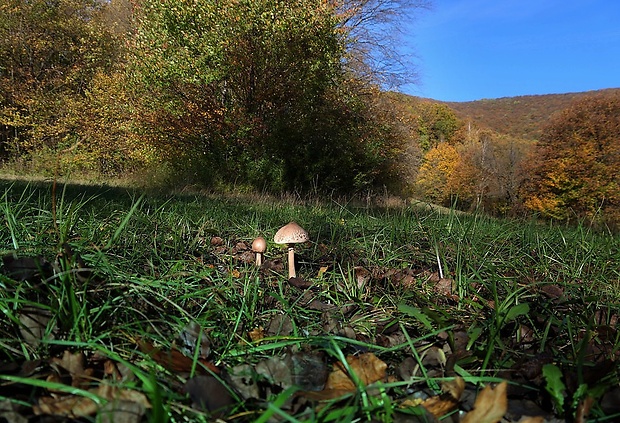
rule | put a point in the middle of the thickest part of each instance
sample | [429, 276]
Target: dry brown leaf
[440, 405]
[121, 412]
[532, 420]
[208, 393]
[277, 370]
[68, 405]
[257, 334]
[490, 406]
[34, 323]
[79, 406]
[454, 387]
[174, 360]
[367, 367]
[74, 364]
[8, 412]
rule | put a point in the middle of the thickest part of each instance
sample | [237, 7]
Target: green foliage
[254, 93]
[555, 385]
[436, 123]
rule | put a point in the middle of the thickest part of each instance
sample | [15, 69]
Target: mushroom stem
[291, 262]
[259, 259]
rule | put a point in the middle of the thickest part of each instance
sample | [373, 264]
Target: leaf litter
[84, 383]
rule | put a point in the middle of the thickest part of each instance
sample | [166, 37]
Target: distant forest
[280, 96]
[555, 155]
[524, 116]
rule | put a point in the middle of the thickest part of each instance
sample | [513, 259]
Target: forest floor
[123, 306]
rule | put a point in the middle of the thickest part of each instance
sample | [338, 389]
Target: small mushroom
[259, 245]
[291, 234]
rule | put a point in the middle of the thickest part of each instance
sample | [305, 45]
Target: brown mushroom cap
[291, 233]
[259, 245]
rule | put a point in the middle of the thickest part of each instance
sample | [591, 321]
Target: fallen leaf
[208, 393]
[367, 368]
[279, 325]
[217, 241]
[362, 276]
[67, 405]
[256, 334]
[243, 379]
[9, 413]
[26, 268]
[310, 371]
[174, 360]
[34, 323]
[448, 400]
[277, 370]
[193, 337]
[74, 364]
[81, 406]
[300, 283]
[490, 406]
[121, 411]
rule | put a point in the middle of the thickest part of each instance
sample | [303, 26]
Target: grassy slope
[375, 271]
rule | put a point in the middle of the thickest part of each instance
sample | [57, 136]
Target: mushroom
[291, 234]
[259, 245]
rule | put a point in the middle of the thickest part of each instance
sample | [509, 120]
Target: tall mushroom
[259, 245]
[291, 234]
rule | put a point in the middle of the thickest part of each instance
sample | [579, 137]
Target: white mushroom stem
[291, 262]
[259, 259]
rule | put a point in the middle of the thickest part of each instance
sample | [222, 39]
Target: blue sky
[474, 49]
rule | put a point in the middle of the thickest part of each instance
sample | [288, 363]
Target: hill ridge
[522, 116]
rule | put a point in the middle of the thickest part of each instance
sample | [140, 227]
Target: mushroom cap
[259, 245]
[291, 233]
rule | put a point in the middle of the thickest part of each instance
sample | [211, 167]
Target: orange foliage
[574, 169]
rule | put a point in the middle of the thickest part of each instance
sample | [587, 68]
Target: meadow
[126, 306]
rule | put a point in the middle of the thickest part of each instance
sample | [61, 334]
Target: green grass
[127, 266]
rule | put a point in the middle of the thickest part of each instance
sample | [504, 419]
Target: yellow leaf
[322, 271]
[257, 334]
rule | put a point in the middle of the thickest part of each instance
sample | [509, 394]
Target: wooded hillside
[553, 154]
[521, 117]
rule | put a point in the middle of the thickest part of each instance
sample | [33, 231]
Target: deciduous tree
[49, 53]
[574, 171]
[438, 167]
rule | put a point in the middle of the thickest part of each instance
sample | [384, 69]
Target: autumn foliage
[574, 172]
[274, 95]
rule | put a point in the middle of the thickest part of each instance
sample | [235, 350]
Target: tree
[436, 123]
[49, 53]
[255, 92]
[489, 172]
[438, 167]
[372, 29]
[574, 171]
